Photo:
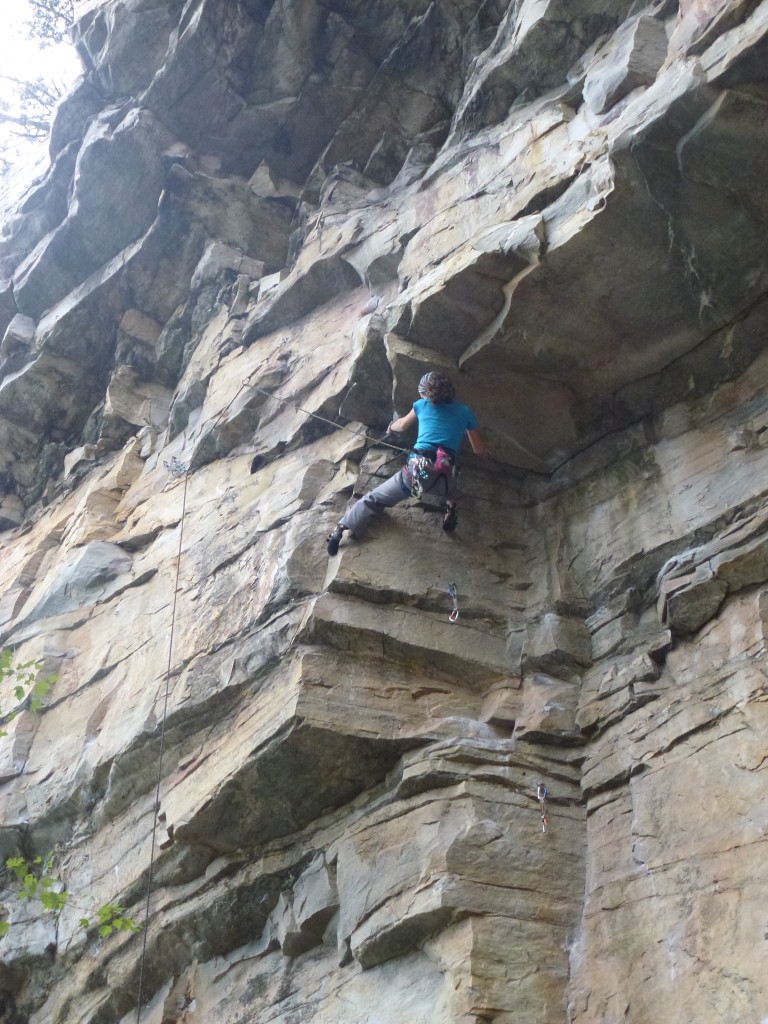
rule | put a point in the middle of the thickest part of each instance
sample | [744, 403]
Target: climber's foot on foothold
[334, 539]
[450, 519]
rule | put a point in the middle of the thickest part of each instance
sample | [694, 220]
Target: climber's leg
[450, 517]
[358, 518]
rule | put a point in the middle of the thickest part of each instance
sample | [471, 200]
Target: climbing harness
[420, 467]
[178, 469]
[362, 434]
[541, 796]
[453, 617]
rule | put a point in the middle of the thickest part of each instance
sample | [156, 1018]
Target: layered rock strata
[262, 222]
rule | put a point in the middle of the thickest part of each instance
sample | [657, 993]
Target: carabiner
[541, 796]
[455, 613]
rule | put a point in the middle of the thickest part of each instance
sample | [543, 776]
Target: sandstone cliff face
[262, 222]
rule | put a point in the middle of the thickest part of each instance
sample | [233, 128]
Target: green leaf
[84, 922]
[53, 900]
[105, 930]
[42, 686]
[109, 911]
[4, 928]
[126, 924]
[18, 866]
[19, 692]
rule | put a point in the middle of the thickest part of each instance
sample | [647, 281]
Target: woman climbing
[442, 424]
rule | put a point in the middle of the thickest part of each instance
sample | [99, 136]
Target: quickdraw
[421, 467]
[419, 470]
[541, 796]
[455, 613]
[175, 467]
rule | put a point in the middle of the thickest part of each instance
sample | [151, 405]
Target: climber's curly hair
[437, 388]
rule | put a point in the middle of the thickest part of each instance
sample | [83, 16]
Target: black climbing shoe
[450, 519]
[333, 540]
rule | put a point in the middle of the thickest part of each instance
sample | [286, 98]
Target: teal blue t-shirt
[442, 424]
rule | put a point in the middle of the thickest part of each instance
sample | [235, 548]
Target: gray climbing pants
[358, 518]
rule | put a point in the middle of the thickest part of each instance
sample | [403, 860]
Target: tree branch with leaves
[35, 879]
[51, 20]
[27, 106]
[35, 103]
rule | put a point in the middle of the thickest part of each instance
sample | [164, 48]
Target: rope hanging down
[177, 469]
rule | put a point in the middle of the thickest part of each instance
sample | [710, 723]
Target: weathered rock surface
[263, 222]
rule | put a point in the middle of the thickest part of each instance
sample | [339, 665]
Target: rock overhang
[619, 278]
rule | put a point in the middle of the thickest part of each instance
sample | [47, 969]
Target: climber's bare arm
[403, 422]
[479, 447]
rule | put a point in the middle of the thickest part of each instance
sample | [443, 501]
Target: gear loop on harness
[418, 468]
[421, 467]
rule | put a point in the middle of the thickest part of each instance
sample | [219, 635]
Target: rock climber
[432, 463]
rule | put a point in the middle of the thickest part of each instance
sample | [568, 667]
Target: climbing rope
[243, 385]
[541, 796]
[247, 382]
[177, 469]
[362, 434]
[520, 447]
[323, 419]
